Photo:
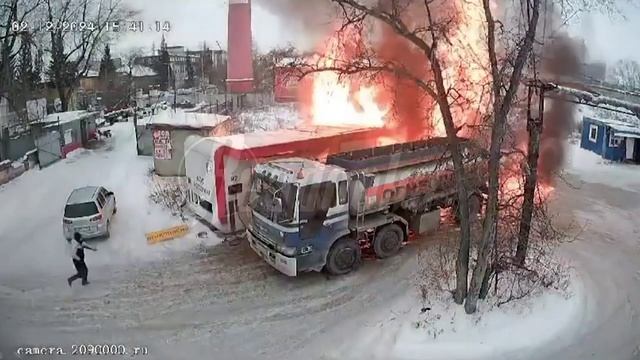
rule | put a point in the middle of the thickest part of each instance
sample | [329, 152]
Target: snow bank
[591, 167]
[407, 330]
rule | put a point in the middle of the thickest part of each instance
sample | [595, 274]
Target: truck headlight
[286, 250]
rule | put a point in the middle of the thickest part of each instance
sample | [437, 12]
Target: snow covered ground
[591, 167]
[191, 298]
[32, 207]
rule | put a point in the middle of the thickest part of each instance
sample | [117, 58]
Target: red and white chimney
[239, 57]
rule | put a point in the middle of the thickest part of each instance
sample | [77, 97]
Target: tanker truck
[308, 215]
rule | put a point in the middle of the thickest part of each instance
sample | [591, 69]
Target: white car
[89, 211]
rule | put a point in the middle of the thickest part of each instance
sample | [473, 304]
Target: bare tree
[502, 103]
[16, 36]
[72, 44]
[626, 73]
[430, 38]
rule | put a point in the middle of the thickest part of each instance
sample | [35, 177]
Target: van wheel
[388, 241]
[344, 256]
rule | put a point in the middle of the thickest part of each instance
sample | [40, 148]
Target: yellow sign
[167, 234]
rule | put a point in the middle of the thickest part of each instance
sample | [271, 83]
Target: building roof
[65, 117]
[181, 119]
[282, 136]
[137, 70]
[82, 195]
[620, 127]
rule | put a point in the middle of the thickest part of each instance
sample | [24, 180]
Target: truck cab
[299, 207]
[308, 215]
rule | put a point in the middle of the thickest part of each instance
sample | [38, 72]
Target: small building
[286, 81]
[612, 139]
[58, 134]
[166, 131]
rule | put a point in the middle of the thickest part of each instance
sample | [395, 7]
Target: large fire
[348, 100]
[336, 99]
[341, 100]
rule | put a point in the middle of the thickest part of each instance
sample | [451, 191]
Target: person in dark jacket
[77, 254]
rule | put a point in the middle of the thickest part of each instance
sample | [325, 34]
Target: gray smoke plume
[309, 20]
[562, 59]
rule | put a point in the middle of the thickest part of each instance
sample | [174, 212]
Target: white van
[89, 211]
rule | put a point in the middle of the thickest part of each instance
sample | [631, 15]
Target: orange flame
[343, 100]
[465, 67]
[339, 101]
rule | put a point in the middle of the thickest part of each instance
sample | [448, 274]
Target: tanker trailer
[308, 215]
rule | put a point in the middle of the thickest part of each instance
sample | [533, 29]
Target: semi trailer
[308, 215]
[219, 168]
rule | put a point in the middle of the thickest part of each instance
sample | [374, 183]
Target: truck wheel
[343, 257]
[388, 241]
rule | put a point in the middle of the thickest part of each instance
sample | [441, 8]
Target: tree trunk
[64, 101]
[501, 109]
[484, 289]
[462, 262]
[534, 127]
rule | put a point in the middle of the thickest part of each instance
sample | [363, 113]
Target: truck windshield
[263, 194]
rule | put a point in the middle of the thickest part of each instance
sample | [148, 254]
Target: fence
[14, 144]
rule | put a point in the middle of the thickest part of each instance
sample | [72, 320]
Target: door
[631, 145]
[49, 148]
[108, 202]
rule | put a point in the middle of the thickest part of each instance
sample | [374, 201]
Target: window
[68, 136]
[593, 133]
[101, 200]
[80, 210]
[614, 141]
[342, 192]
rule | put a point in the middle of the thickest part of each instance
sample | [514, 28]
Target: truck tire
[388, 241]
[344, 256]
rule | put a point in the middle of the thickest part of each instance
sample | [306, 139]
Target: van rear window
[80, 210]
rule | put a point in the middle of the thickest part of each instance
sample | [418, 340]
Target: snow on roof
[138, 70]
[618, 126]
[65, 117]
[92, 73]
[181, 118]
[282, 136]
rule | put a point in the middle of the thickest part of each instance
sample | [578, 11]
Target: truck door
[315, 201]
[322, 212]
[339, 212]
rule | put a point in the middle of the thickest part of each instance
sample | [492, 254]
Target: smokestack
[239, 58]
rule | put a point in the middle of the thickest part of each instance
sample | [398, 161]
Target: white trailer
[219, 169]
